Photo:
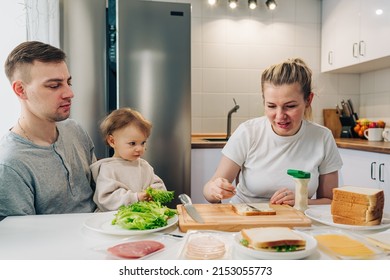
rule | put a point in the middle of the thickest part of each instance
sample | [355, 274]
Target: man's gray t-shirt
[47, 180]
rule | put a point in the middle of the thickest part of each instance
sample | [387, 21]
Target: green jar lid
[298, 174]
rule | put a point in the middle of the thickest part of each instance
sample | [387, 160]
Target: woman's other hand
[283, 196]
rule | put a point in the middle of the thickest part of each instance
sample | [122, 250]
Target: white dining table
[65, 237]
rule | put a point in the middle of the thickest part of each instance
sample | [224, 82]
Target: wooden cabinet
[366, 169]
[203, 165]
[354, 35]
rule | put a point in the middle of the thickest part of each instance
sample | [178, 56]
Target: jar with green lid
[301, 179]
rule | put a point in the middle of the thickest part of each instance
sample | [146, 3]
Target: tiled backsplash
[230, 49]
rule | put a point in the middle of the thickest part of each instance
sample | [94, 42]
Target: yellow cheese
[344, 245]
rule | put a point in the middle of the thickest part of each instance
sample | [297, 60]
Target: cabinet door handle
[381, 172]
[355, 50]
[330, 58]
[362, 48]
[373, 164]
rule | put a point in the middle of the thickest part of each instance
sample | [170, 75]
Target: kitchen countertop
[198, 142]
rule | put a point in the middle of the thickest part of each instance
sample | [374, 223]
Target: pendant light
[233, 4]
[271, 4]
[252, 4]
[212, 2]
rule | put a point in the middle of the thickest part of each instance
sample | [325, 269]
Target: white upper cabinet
[355, 35]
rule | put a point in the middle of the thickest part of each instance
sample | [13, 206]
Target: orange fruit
[381, 124]
[357, 128]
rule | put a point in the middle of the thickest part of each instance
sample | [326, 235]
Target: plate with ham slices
[102, 222]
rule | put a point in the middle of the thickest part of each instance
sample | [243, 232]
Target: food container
[207, 245]
[342, 244]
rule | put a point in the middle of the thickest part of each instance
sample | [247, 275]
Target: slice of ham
[135, 249]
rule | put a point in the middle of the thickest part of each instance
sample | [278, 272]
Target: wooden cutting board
[332, 121]
[222, 217]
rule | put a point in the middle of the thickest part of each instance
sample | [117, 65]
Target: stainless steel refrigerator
[147, 66]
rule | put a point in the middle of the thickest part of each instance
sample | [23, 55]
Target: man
[45, 157]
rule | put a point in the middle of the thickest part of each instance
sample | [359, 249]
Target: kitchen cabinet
[203, 165]
[354, 35]
[366, 169]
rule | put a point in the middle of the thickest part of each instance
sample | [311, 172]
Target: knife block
[347, 125]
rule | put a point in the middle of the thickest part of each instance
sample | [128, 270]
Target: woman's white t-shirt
[265, 157]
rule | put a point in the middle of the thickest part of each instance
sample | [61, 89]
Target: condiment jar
[301, 179]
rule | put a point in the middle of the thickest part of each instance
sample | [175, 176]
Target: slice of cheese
[343, 245]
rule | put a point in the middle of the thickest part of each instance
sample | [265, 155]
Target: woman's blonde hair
[122, 117]
[293, 70]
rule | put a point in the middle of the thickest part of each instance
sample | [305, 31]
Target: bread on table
[281, 239]
[357, 206]
[245, 210]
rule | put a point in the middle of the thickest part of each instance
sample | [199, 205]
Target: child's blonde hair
[122, 117]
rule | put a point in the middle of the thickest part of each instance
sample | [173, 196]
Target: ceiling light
[271, 4]
[212, 2]
[233, 4]
[379, 12]
[252, 4]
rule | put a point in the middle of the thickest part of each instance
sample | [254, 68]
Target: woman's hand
[218, 189]
[283, 196]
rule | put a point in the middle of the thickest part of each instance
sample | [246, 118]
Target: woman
[261, 150]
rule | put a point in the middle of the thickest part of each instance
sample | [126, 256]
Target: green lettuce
[161, 196]
[143, 215]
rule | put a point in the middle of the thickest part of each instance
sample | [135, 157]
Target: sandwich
[357, 206]
[259, 209]
[273, 239]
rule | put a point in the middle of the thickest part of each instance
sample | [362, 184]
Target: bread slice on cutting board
[244, 210]
[357, 206]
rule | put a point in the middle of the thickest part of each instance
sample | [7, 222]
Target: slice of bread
[355, 222]
[358, 211]
[359, 195]
[267, 238]
[244, 210]
[357, 206]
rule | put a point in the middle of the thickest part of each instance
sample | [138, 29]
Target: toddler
[123, 178]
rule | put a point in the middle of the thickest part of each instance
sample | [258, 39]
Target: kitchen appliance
[134, 54]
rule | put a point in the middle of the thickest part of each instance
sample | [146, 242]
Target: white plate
[322, 214]
[101, 222]
[311, 245]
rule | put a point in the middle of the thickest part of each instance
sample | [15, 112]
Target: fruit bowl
[363, 124]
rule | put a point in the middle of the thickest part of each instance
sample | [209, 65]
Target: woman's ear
[18, 88]
[309, 99]
[111, 141]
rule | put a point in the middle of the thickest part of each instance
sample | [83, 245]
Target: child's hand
[143, 196]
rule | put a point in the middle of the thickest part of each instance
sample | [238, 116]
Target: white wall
[12, 32]
[231, 48]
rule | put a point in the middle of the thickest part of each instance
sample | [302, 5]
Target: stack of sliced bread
[357, 206]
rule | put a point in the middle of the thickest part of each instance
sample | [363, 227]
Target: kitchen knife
[352, 109]
[186, 200]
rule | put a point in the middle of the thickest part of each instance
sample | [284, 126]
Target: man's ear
[18, 88]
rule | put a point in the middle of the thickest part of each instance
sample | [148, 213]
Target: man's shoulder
[71, 128]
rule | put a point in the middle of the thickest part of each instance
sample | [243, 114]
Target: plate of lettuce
[141, 217]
